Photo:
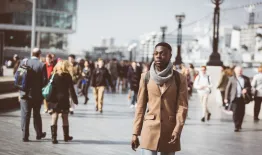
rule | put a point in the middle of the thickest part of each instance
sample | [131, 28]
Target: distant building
[55, 20]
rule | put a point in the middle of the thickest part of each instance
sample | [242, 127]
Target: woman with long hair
[59, 101]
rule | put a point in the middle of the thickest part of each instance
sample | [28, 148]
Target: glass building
[55, 20]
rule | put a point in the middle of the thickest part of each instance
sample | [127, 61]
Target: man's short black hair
[164, 44]
[72, 56]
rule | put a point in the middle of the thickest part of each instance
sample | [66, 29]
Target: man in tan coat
[160, 126]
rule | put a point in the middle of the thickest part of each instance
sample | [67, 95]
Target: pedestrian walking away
[59, 101]
[237, 87]
[163, 92]
[33, 99]
[134, 75]
[203, 85]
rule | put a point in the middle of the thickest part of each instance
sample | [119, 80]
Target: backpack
[177, 79]
[22, 77]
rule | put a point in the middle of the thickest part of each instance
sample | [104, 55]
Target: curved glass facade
[49, 13]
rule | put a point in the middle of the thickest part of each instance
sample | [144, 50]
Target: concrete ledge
[7, 85]
[9, 101]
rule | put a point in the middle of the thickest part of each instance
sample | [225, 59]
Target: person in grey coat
[237, 86]
[257, 87]
[33, 98]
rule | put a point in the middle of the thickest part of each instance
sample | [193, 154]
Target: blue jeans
[149, 152]
[134, 97]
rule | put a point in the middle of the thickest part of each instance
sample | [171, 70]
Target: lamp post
[163, 30]
[153, 35]
[147, 51]
[142, 43]
[214, 58]
[180, 18]
[33, 25]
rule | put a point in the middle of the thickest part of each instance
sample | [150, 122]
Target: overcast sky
[126, 20]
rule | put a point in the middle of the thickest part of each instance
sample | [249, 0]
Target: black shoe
[41, 136]
[203, 119]
[208, 116]
[25, 140]
[54, 134]
[66, 134]
[256, 119]
[101, 111]
[237, 130]
[72, 112]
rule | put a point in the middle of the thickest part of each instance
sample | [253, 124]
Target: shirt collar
[33, 57]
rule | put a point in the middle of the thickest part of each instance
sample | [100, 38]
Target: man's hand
[244, 91]
[135, 142]
[225, 100]
[174, 139]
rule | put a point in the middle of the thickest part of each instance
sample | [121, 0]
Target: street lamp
[131, 49]
[147, 52]
[142, 43]
[180, 18]
[163, 30]
[214, 58]
[33, 25]
[153, 35]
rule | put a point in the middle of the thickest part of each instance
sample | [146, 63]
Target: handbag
[48, 89]
[247, 97]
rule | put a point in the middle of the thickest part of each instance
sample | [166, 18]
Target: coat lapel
[168, 84]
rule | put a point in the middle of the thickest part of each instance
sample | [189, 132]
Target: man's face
[162, 56]
[238, 71]
[71, 60]
[203, 70]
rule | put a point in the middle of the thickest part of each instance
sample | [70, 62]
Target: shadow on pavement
[99, 142]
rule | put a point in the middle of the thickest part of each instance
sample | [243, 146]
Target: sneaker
[131, 106]
[203, 119]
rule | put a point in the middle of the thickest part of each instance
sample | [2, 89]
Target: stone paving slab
[110, 133]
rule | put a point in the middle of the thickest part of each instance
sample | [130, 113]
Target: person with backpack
[203, 85]
[162, 106]
[30, 78]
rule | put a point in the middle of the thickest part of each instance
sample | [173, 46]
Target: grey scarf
[163, 76]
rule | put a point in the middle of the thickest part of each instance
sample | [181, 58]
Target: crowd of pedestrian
[147, 85]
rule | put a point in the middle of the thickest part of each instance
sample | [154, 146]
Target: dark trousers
[26, 108]
[134, 97]
[238, 107]
[223, 97]
[257, 106]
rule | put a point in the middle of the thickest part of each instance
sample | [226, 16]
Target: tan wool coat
[163, 117]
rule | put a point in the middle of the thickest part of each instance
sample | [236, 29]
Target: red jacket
[49, 69]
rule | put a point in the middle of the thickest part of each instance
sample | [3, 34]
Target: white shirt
[202, 80]
[239, 88]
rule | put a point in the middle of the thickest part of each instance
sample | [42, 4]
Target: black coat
[100, 76]
[134, 78]
[62, 89]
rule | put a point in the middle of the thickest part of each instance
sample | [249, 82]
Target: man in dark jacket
[98, 82]
[33, 99]
[222, 84]
[237, 87]
[134, 76]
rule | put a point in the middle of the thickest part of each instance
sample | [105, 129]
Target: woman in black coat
[86, 74]
[59, 100]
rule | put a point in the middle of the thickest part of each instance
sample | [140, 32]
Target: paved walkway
[110, 133]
